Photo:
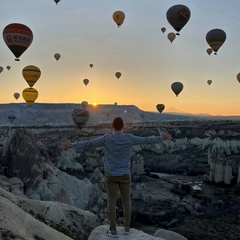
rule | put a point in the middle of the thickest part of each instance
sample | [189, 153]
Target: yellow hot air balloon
[118, 17]
[31, 74]
[118, 75]
[57, 56]
[209, 82]
[215, 39]
[238, 77]
[171, 36]
[30, 95]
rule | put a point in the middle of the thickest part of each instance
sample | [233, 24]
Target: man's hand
[65, 145]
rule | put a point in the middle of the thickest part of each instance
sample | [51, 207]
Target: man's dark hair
[117, 123]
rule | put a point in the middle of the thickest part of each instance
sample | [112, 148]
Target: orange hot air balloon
[171, 36]
[177, 87]
[209, 82]
[57, 56]
[30, 95]
[118, 17]
[178, 16]
[18, 38]
[85, 81]
[118, 75]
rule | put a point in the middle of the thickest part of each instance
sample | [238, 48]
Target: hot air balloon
[91, 65]
[215, 39]
[118, 17]
[115, 103]
[163, 29]
[80, 117]
[18, 38]
[57, 56]
[30, 95]
[31, 74]
[178, 16]
[177, 87]
[11, 118]
[209, 51]
[84, 104]
[171, 36]
[209, 82]
[118, 75]
[56, 1]
[160, 107]
[238, 77]
[16, 95]
[8, 67]
[1, 69]
[85, 81]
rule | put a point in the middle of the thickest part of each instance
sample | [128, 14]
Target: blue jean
[124, 184]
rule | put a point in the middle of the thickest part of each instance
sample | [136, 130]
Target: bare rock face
[23, 159]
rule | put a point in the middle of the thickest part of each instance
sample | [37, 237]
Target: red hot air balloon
[80, 117]
[18, 38]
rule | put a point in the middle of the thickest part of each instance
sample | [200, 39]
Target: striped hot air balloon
[80, 117]
[30, 95]
[31, 74]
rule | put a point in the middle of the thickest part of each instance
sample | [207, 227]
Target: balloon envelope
[178, 16]
[163, 29]
[8, 67]
[215, 39]
[16, 95]
[18, 38]
[31, 74]
[80, 117]
[56, 1]
[84, 104]
[209, 51]
[118, 17]
[30, 95]
[1, 69]
[91, 65]
[209, 82]
[171, 36]
[238, 77]
[85, 81]
[118, 74]
[57, 56]
[11, 118]
[160, 107]
[177, 87]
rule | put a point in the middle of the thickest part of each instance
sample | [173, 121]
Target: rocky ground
[214, 214]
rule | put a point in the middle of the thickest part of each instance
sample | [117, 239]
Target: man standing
[117, 150]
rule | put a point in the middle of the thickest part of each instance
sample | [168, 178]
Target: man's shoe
[112, 234]
[126, 230]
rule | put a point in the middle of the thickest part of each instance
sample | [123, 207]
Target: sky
[83, 32]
